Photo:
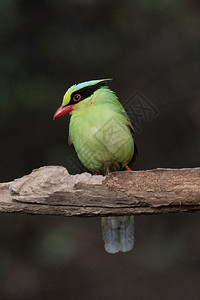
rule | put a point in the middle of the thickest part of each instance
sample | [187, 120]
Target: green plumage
[101, 133]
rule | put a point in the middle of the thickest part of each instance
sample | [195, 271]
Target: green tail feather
[118, 233]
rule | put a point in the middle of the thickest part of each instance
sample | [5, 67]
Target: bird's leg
[96, 173]
[127, 168]
[107, 171]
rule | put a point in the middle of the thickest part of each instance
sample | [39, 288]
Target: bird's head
[79, 92]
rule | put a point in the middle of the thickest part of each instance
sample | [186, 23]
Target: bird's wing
[121, 111]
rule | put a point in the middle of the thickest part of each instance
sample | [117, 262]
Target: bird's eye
[77, 97]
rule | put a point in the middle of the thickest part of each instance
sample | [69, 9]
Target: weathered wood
[51, 190]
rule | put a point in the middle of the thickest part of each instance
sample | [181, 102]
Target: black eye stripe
[87, 91]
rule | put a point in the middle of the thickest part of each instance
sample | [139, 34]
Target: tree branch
[52, 190]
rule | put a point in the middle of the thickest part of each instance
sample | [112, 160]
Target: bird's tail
[118, 233]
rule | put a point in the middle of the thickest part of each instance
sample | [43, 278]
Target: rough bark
[51, 190]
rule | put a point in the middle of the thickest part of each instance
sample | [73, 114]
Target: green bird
[102, 135]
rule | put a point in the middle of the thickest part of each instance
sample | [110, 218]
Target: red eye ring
[77, 97]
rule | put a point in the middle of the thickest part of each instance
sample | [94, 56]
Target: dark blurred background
[147, 46]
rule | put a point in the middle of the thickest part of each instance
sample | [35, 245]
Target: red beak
[63, 110]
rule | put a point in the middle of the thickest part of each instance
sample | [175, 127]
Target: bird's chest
[101, 139]
[92, 126]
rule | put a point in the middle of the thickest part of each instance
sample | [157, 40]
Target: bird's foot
[127, 168]
[96, 173]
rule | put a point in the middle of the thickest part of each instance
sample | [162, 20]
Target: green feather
[100, 132]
